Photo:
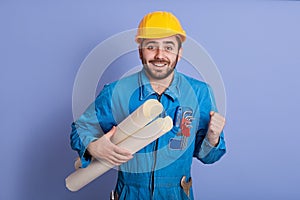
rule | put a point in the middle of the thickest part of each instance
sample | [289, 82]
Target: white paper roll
[137, 120]
[133, 143]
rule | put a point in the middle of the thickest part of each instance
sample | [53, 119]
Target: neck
[160, 85]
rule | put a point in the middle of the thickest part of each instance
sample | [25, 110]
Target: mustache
[159, 60]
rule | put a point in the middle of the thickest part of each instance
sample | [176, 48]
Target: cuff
[206, 148]
[85, 157]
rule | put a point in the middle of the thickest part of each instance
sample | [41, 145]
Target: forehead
[166, 40]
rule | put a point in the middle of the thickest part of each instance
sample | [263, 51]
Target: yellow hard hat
[159, 24]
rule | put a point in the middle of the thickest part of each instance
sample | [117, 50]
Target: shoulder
[119, 87]
[195, 83]
[200, 88]
[122, 82]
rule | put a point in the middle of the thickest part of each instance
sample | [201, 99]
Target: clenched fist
[215, 127]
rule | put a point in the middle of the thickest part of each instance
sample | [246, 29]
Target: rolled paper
[133, 143]
[135, 121]
[145, 136]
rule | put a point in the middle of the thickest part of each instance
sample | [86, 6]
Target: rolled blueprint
[133, 143]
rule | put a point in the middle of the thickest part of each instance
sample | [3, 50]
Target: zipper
[154, 156]
[154, 165]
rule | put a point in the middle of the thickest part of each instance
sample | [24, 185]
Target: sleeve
[91, 125]
[203, 150]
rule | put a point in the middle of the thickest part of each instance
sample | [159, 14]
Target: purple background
[255, 45]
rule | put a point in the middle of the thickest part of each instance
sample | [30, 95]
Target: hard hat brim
[152, 33]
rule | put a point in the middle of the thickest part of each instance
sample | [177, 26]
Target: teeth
[159, 64]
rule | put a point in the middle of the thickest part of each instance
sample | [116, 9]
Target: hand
[215, 127]
[104, 149]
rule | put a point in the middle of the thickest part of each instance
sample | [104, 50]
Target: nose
[159, 53]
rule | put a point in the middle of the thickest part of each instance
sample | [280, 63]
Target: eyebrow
[165, 42]
[169, 42]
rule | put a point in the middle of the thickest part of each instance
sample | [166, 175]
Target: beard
[157, 73]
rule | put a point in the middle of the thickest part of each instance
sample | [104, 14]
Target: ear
[180, 53]
[140, 52]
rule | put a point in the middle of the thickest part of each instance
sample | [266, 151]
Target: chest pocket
[182, 129]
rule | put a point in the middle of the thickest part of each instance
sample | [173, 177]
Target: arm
[88, 138]
[210, 143]
[85, 130]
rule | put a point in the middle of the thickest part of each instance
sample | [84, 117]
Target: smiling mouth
[159, 63]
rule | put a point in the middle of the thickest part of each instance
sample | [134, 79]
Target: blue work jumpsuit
[156, 170]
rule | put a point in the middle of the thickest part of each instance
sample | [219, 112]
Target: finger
[215, 131]
[217, 126]
[121, 159]
[122, 151]
[117, 159]
[110, 133]
[217, 118]
[114, 161]
[212, 129]
[215, 115]
[214, 123]
[109, 162]
[217, 123]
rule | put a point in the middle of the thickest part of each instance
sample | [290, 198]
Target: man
[161, 170]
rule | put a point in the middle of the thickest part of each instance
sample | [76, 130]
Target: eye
[150, 47]
[169, 48]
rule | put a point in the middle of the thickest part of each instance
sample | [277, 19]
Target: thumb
[211, 113]
[110, 133]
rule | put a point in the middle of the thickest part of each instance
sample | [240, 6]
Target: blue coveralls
[156, 170]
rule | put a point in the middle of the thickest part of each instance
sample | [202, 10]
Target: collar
[146, 89]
